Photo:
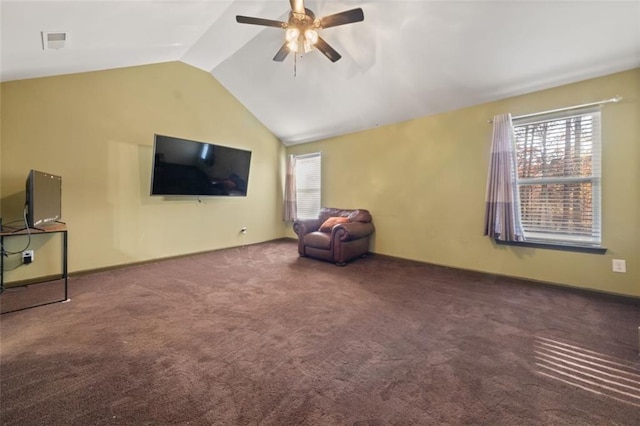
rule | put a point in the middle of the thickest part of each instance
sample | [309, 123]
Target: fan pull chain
[295, 64]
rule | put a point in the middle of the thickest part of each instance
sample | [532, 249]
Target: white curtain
[290, 203]
[502, 212]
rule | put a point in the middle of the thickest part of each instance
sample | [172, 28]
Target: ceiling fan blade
[327, 50]
[297, 6]
[260, 21]
[342, 18]
[282, 53]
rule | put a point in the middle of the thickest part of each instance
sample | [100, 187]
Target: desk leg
[65, 272]
[1, 264]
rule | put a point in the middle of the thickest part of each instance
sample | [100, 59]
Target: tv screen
[43, 198]
[186, 167]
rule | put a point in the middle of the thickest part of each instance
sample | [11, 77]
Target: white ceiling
[407, 59]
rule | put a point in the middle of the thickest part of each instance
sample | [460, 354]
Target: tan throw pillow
[328, 224]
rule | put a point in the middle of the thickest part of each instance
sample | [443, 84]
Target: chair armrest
[304, 226]
[352, 230]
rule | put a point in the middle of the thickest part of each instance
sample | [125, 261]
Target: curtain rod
[605, 101]
[309, 154]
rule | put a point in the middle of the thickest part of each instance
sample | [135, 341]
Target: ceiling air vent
[54, 40]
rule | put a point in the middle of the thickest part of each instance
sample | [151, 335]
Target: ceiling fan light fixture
[308, 47]
[293, 45]
[311, 36]
[301, 33]
[292, 34]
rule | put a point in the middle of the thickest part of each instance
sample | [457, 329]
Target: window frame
[579, 242]
[309, 194]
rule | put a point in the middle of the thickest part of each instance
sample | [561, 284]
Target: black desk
[6, 232]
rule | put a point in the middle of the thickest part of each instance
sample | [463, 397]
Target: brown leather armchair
[345, 237]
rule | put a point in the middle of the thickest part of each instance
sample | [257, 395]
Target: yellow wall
[423, 180]
[96, 131]
[0, 150]
[424, 183]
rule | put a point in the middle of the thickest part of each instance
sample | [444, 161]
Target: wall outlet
[27, 257]
[619, 265]
[243, 230]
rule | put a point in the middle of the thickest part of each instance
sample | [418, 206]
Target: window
[558, 160]
[308, 186]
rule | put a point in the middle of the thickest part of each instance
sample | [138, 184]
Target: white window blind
[308, 185]
[559, 176]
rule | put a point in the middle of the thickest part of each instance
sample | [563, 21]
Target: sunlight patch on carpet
[589, 370]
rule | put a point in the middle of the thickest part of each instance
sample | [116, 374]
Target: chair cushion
[328, 224]
[354, 215]
[360, 215]
[321, 240]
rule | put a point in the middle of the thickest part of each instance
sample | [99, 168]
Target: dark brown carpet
[256, 335]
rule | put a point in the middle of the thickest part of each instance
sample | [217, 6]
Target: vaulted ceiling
[407, 59]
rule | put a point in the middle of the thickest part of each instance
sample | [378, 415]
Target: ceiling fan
[301, 34]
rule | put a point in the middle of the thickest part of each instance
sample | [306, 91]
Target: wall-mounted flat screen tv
[187, 167]
[43, 198]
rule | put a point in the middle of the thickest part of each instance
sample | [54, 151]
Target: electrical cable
[26, 227]
[21, 220]
[7, 253]
[13, 268]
